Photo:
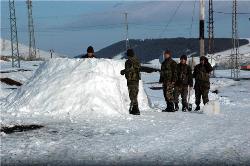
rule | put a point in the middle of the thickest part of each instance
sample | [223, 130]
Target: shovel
[189, 104]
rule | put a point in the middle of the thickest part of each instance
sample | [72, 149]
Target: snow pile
[212, 108]
[74, 88]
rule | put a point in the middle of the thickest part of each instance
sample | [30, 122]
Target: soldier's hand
[122, 72]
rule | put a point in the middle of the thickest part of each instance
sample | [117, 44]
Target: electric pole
[202, 18]
[211, 32]
[235, 66]
[126, 27]
[32, 43]
[14, 39]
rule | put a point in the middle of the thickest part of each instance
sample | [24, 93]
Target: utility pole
[14, 39]
[235, 65]
[126, 27]
[32, 43]
[202, 18]
[211, 32]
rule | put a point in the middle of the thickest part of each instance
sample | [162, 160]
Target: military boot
[170, 107]
[184, 107]
[135, 110]
[197, 108]
[176, 107]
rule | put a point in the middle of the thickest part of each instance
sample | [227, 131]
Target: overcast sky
[70, 26]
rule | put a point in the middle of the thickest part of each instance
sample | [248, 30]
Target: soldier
[90, 53]
[184, 79]
[132, 74]
[168, 77]
[202, 84]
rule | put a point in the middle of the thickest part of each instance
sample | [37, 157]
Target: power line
[126, 27]
[170, 19]
[192, 21]
[219, 12]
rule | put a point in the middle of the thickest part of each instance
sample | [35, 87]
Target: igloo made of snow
[75, 88]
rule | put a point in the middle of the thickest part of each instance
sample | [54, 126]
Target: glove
[122, 72]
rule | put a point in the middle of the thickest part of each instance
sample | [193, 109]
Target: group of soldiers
[176, 79]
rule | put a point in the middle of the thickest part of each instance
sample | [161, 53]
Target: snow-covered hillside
[244, 52]
[5, 50]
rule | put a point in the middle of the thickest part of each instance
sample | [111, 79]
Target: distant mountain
[150, 49]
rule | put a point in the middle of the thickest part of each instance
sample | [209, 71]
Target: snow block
[212, 108]
[74, 88]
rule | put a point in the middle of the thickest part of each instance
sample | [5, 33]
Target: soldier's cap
[90, 49]
[183, 57]
[130, 52]
[167, 52]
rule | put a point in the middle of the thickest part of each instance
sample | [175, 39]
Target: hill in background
[150, 49]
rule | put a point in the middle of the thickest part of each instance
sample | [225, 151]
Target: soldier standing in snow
[90, 53]
[132, 74]
[202, 85]
[184, 79]
[168, 78]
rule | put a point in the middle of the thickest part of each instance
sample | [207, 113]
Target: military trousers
[183, 91]
[200, 91]
[168, 91]
[133, 90]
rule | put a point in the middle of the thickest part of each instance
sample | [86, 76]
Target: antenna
[202, 18]
[211, 32]
[235, 66]
[126, 26]
[32, 43]
[14, 39]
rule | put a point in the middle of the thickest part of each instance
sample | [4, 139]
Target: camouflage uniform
[184, 79]
[202, 84]
[168, 77]
[132, 74]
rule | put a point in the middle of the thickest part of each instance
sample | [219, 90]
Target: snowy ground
[154, 138]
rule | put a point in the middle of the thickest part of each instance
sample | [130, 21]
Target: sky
[69, 27]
